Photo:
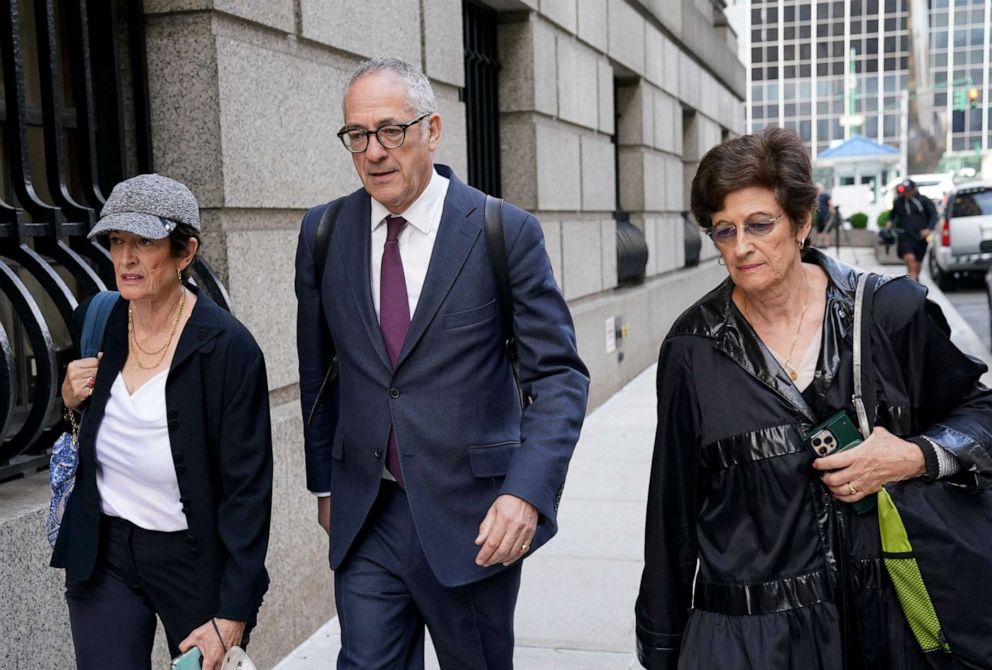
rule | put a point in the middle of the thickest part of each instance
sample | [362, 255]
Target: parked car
[962, 242]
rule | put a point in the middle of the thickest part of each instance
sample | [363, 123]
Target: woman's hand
[862, 470]
[80, 377]
[205, 637]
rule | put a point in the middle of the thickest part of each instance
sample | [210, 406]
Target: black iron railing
[481, 96]
[74, 119]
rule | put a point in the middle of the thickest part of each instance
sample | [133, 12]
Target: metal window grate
[481, 96]
[74, 122]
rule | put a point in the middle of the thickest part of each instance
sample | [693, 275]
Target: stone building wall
[245, 103]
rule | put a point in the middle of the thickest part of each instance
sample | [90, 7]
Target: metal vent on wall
[632, 250]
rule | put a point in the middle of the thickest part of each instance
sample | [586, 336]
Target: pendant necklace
[791, 371]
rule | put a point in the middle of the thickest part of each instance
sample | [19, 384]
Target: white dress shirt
[416, 240]
[416, 244]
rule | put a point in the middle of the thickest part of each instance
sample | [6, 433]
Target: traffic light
[973, 97]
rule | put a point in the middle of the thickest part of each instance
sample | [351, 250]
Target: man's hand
[864, 469]
[205, 637]
[324, 513]
[506, 532]
[924, 233]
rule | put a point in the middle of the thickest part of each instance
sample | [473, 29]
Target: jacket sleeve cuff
[929, 456]
[658, 651]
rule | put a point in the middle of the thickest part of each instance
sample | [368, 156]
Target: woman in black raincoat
[789, 575]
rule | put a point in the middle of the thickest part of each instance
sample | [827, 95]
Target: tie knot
[394, 224]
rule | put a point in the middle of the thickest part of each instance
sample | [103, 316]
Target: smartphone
[191, 660]
[836, 434]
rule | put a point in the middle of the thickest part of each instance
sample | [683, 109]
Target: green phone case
[191, 660]
[836, 434]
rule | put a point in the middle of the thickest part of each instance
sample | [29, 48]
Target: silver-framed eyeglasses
[725, 233]
[390, 136]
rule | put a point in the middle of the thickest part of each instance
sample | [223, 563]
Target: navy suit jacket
[461, 435]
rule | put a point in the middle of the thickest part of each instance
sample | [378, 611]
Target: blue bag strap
[95, 322]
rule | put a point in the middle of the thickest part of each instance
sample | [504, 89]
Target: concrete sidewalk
[576, 607]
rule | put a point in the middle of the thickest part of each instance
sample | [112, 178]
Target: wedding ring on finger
[851, 490]
[89, 391]
[525, 547]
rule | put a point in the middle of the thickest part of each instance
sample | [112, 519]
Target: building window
[481, 97]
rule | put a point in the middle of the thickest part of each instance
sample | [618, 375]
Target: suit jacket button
[394, 393]
[180, 469]
[177, 458]
[173, 414]
[191, 539]
[173, 425]
[377, 453]
[201, 334]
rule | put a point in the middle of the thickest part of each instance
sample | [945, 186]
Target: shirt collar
[418, 214]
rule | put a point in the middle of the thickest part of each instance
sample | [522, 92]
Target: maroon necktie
[394, 317]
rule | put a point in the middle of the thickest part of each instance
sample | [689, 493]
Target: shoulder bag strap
[864, 383]
[496, 247]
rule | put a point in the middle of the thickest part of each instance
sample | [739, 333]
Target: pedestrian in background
[913, 216]
[823, 214]
[169, 515]
[431, 480]
[754, 556]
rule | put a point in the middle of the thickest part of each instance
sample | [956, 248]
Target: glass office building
[830, 69]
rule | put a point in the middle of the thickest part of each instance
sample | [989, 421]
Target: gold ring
[850, 489]
[525, 547]
[89, 391]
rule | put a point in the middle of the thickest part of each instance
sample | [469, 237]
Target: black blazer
[217, 403]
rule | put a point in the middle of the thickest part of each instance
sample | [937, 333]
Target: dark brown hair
[179, 241]
[774, 158]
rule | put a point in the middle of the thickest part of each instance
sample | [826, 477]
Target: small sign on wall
[611, 335]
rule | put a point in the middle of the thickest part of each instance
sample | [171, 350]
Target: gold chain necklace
[164, 350]
[793, 372]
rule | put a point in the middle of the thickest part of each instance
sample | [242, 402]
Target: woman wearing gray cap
[170, 511]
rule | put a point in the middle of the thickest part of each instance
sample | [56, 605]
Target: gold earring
[179, 273]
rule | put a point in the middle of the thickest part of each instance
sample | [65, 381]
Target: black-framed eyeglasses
[390, 136]
[725, 233]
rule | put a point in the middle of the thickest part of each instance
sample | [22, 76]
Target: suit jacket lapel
[354, 236]
[457, 234]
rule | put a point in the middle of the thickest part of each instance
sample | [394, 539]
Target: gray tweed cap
[149, 206]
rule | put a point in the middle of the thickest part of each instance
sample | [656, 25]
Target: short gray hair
[420, 95]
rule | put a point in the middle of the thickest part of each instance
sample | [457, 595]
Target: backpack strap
[95, 322]
[496, 247]
[321, 244]
[322, 238]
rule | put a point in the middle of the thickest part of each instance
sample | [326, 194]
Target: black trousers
[138, 574]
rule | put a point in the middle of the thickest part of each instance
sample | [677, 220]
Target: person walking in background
[754, 555]
[432, 482]
[169, 515]
[913, 217]
[823, 214]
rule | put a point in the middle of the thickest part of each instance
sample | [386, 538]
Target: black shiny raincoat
[788, 577]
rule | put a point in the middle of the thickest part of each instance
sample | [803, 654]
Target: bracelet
[217, 630]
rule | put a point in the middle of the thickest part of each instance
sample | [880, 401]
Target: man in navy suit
[431, 480]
